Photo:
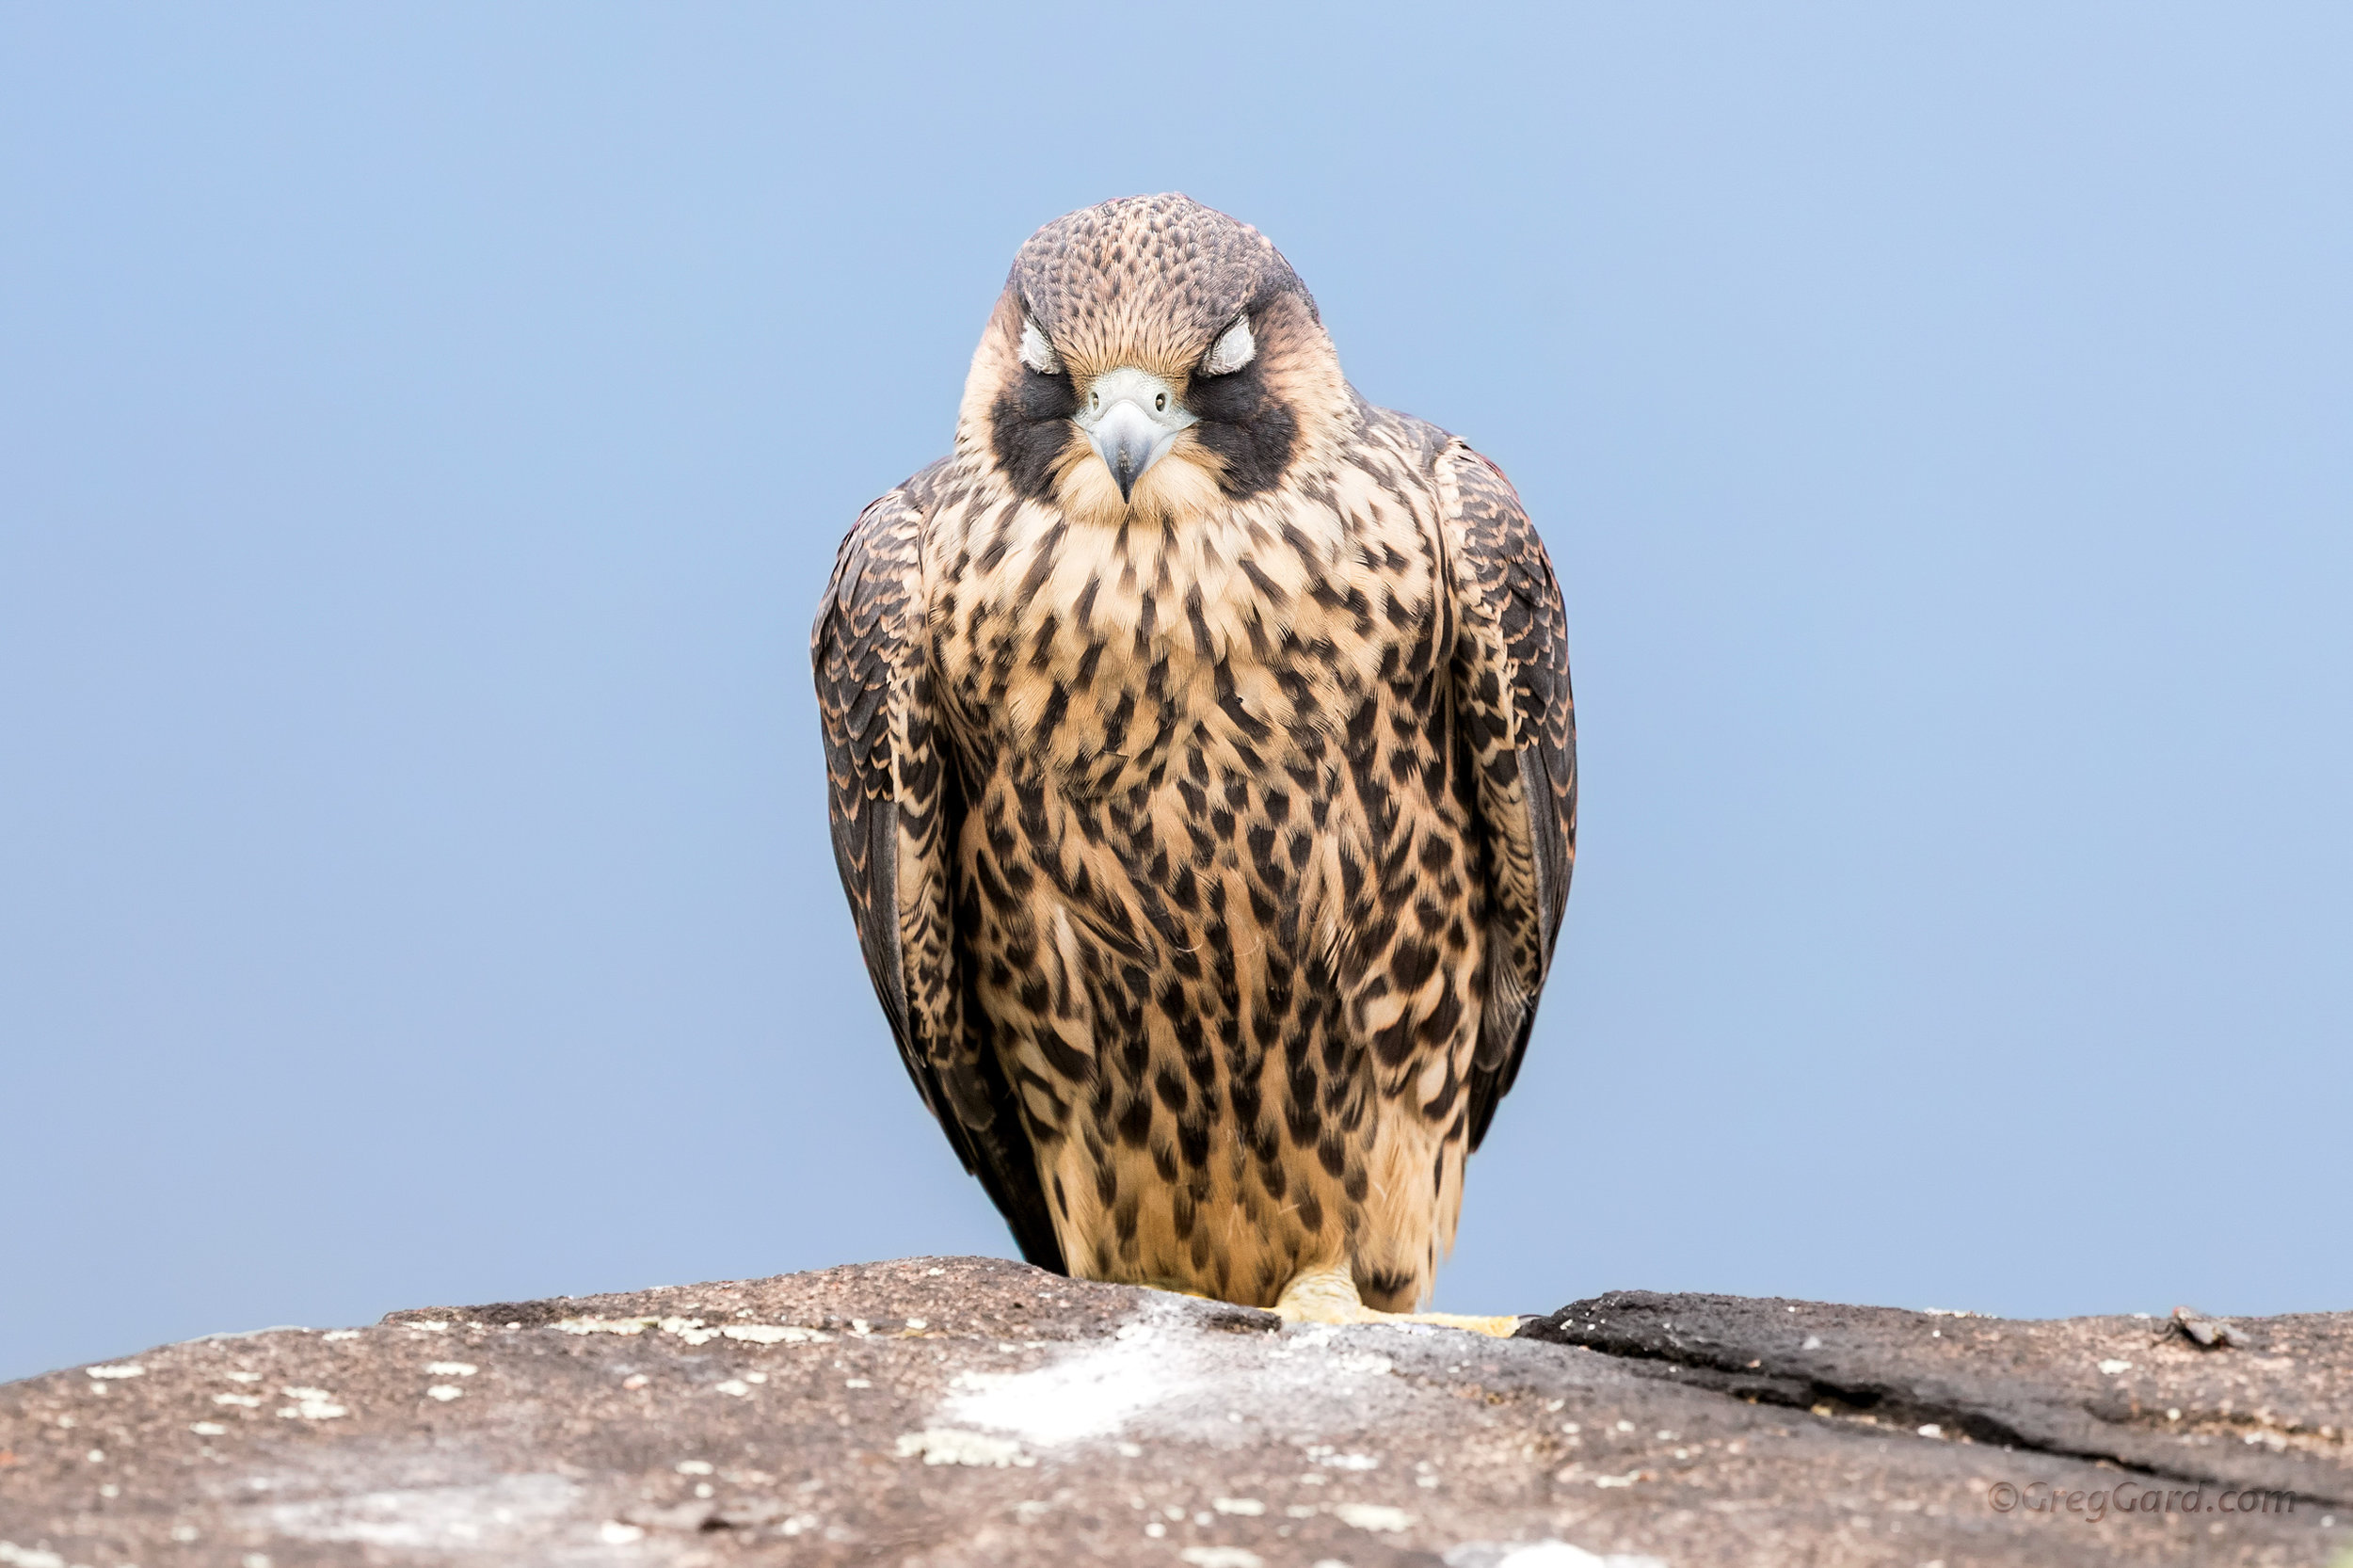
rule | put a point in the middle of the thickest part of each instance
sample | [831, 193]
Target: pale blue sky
[425, 433]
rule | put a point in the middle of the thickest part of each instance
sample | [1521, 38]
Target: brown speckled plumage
[1207, 849]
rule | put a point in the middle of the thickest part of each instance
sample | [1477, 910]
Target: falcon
[1203, 779]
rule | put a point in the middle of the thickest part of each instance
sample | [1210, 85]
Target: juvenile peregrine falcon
[1204, 778]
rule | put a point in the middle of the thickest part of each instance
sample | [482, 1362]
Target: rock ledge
[955, 1410]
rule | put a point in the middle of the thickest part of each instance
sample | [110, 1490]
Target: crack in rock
[1938, 1375]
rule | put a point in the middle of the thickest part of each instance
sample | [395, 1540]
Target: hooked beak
[1124, 439]
[1131, 418]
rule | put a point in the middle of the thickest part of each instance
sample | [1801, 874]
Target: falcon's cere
[1204, 778]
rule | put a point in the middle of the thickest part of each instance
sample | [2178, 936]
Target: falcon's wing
[1511, 699]
[896, 806]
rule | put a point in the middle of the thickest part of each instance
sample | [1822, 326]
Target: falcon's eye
[1233, 349]
[1036, 351]
[1159, 402]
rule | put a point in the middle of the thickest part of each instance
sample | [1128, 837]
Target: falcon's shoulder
[895, 804]
[1514, 701]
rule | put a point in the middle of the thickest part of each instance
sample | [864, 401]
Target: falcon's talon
[1203, 778]
[1328, 1297]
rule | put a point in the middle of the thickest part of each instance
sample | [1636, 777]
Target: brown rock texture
[955, 1411]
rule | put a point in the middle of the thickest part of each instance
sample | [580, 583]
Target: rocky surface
[953, 1411]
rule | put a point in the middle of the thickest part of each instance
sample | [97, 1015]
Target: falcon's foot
[1329, 1296]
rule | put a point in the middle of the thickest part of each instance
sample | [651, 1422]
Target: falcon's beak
[1132, 417]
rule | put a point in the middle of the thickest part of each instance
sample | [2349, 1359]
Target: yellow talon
[1329, 1296]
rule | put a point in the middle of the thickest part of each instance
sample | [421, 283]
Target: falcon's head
[1151, 356]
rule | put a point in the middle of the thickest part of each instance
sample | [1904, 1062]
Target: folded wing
[1511, 698]
[896, 806]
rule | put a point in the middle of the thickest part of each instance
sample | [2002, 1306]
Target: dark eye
[1159, 402]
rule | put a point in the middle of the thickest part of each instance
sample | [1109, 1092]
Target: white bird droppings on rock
[451, 1369]
[29, 1556]
[123, 1369]
[444, 1392]
[692, 1466]
[776, 1334]
[953, 1446]
[1538, 1554]
[208, 1429]
[1090, 1393]
[250, 1401]
[1249, 1508]
[311, 1404]
[1221, 1556]
[1372, 1517]
[595, 1325]
[736, 1387]
[2112, 1366]
[338, 1334]
[1547, 1553]
[614, 1533]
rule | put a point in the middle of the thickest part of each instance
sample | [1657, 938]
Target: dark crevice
[1601, 1324]
[1892, 1408]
